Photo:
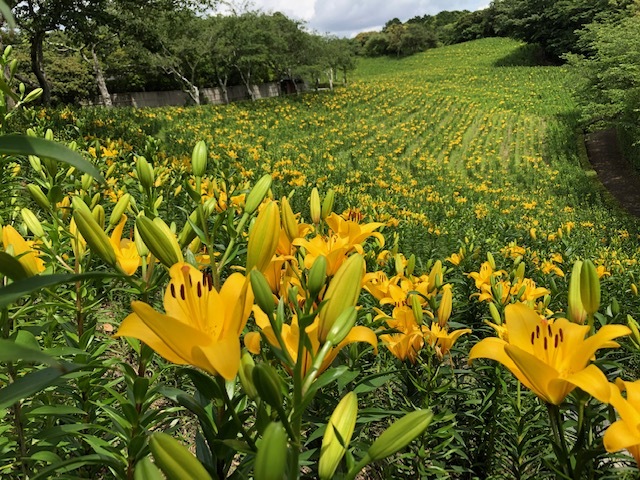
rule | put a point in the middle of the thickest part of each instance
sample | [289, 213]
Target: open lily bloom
[442, 340]
[22, 250]
[625, 433]
[407, 343]
[550, 358]
[201, 326]
[291, 336]
[125, 250]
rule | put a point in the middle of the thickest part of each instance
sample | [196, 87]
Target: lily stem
[564, 462]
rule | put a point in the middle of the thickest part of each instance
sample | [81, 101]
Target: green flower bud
[257, 194]
[99, 215]
[32, 222]
[416, 307]
[199, 159]
[263, 238]
[92, 232]
[491, 260]
[342, 326]
[400, 434]
[33, 95]
[175, 460]
[315, 208]
[271, 459]
[38, 196]
[119, 209]
[589, 287]
[245, 372]
[337, 435]
[262, 292]
[495, 315]
[268, 385]
[317, 276]
[146, 470]
[327, 204]
[411, 265]
[289, 222]
[343, 292]
[575, 311]
[145, 173]
[160, 241]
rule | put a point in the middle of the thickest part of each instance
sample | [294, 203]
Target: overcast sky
[345, 18]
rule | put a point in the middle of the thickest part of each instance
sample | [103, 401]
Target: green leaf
[11, 267]
[12, 352]
[33, 383]
[19, 289]
[16, 144]
[5, 11]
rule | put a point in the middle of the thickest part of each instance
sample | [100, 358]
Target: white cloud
[347, 17]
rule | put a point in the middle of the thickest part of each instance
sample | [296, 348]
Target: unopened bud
[342, 326]
[315, 208]
[271, 458]
[411, 265]
[289, 222]
[99, 215]
[160, 241]
[343, 292]
[317, 276]
[263, 238]
[33, 95]
[119, 209]
[416, 307]
[635, 329]
[444, 309]
[38, 196]
[491, 260]
[327, 204]
[495, 315]
[257, 194]
[262, 292]
[145, 173]
[174, 459]
[268, 385]
[400, 434]
[199, 159]
[92, 232]
[589, 287]
[245, 372]
[337, 435]
[32, 222]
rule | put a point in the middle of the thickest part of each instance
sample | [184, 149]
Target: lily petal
[221, 357]
[539, 375]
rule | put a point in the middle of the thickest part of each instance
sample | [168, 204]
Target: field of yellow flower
[413, 275]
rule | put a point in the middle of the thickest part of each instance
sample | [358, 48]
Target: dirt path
[622, 181]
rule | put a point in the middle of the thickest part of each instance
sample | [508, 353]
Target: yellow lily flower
[441, 340]
[625, 433]
[353, 231]
[291, 336]
[334, 248]
[406, 344]
[125, 249]
[201, 326]
[550, 359]
[23, 250]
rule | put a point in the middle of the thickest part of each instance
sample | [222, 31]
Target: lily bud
[245, 372]
[416, 307]
[589, 287]
[38, 196]
[262, 292]
[36, 164]
[337, 435]
[327, 204]
[289, 222]
[199, 159]
[267, 383]
[146, 470]
[411, 265]
[257, 194]
[174, 459]
[98, 214]
[634, 289]
[317, 276]
[635, 329]
[520, 271]
[315, 208]
[435, 276]
[85, 181]
[160, 241]
[142, 249]
[575, 310]
[145, 173]
[495, 315]
[615, 306]
[271, 459]
[119, 209]
[263, 238]
[491, 260]
[33, 95]
[399, 264]
[32, 222]
[92, 232]
[342, 326]
[343, 292]
[400, 434]
[444, 309]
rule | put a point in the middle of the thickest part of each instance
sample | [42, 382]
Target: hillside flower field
[412, 276]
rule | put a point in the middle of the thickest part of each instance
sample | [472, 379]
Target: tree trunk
[100, 80]
[191, 89]
[223, 86]
[37, 65]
